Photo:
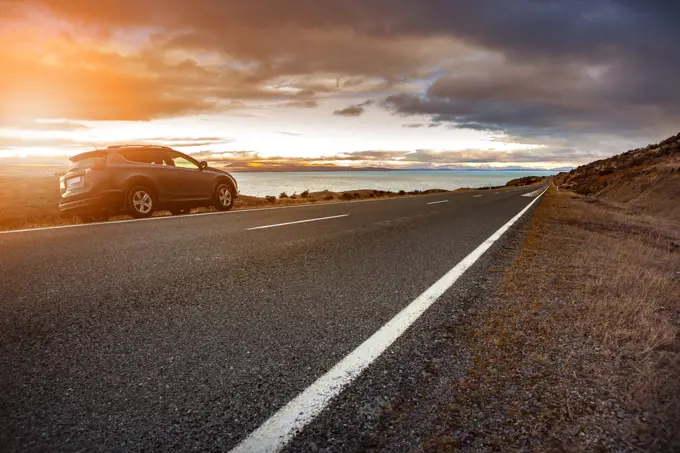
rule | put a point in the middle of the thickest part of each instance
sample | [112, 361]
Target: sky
[391, 83]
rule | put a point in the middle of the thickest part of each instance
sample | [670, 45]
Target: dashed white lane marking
[496, 193]
[298, 221]
[437, 202]
[276, 432]
[535, 193]
[476, 196]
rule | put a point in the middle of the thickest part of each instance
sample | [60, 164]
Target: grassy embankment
[582, 351]
[34, 202]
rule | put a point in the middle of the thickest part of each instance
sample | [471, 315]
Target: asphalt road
[187, 333]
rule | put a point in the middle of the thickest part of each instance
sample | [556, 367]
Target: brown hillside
[646, 179]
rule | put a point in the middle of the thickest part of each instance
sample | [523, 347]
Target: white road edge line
[288, 421]
[532, 194]
[297, 221]
[476, 196]
[437, 202]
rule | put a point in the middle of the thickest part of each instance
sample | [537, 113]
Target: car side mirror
[203, 165]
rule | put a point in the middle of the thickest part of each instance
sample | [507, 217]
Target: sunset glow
[314, 85]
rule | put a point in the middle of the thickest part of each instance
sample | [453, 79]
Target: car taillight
[97, 167]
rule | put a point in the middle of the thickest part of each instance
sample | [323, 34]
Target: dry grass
[646, 180]
[29, 202]
[581, 351]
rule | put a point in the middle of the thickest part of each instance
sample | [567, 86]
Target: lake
[261, 184]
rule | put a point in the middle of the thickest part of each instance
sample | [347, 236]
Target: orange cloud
[141, 61]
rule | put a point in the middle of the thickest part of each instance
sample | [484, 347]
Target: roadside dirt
[574, 348]
[580, 352]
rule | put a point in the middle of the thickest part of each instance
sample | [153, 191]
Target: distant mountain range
[270, 167]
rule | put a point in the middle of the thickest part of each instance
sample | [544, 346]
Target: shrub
[402, 192]
[271, 198]
[305, 194]
[328, 197]
[283, 195]
[346, 196]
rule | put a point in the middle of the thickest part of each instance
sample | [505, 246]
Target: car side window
[181, 161]
[142, 156]
[158, 157]
[162, 158]
[135, 155]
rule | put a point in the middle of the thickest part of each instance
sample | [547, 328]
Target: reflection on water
[261, 184]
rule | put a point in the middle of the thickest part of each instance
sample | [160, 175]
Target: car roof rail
[138, 146]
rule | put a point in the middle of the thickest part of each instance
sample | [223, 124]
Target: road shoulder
[572, 347]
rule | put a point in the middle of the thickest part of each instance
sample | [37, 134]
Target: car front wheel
[224, 197]
[140, 202]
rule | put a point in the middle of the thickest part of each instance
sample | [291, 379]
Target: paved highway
[189, 333]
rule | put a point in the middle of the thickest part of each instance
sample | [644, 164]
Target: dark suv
[140, 179]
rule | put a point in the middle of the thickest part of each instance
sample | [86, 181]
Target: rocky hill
[647, 179]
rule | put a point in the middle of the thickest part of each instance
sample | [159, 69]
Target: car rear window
[88, 160]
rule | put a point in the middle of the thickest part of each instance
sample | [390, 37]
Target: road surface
[189, 333]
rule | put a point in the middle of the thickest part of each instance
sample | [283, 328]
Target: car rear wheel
[140, 202]
[224, 197]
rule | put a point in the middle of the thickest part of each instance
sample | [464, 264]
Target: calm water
[261, 184]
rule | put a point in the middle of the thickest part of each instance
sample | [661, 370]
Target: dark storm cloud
[552, 68]
[564, 27]
[353, 110]
[548, 98]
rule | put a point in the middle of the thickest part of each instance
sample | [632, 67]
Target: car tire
[141, 202]
[180, 211]
[224, 197]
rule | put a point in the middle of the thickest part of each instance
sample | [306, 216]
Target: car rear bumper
[109, 201]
